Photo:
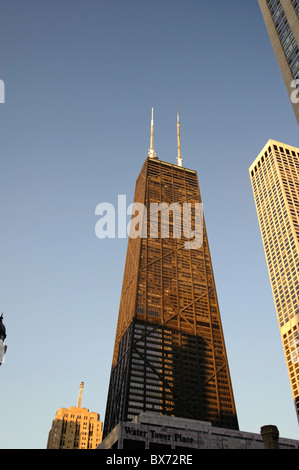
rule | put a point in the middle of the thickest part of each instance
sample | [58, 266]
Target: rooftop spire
[179, 157]
[80, 395]
[151, 152]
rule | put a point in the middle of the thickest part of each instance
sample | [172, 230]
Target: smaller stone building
[75, 428]
[155, 431]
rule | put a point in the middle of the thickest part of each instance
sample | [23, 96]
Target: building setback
[275, 182]
[282, 22]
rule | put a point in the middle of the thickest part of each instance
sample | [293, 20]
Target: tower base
[155, 431]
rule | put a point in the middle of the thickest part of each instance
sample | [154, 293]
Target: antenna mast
[151, 152]
[80, 395]
[179, 157]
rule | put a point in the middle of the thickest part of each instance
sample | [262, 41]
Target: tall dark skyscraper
[282, 21]
[169, 355]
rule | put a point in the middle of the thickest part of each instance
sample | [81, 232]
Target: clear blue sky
[80, 80]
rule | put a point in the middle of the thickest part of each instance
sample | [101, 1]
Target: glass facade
[282, 21]
[295, 4]
[169, 354]
[275, 183]
[286, 36]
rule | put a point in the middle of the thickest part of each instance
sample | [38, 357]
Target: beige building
[275, 182]
[282, 22]
[75, 428]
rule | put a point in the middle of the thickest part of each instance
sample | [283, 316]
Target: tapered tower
[169, 355]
